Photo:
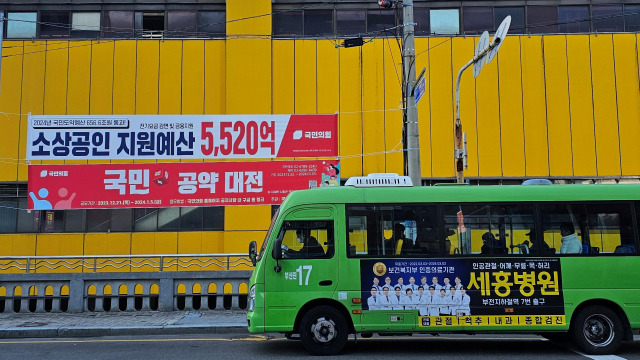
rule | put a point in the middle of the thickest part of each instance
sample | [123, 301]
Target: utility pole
[409, 65]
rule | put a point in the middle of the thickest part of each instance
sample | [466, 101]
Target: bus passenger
[570, 242]
[384, 301]
[310, 246]
[465, 300]
[372, 301]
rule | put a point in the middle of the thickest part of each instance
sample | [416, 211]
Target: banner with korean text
[97, 137]
[96, 186]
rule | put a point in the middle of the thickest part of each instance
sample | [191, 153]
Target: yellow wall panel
[252, 14]
[238, 242]
[393, 108]
[101, 99]
[534, 104]
[488, 115]
[170, 77]
[283, 77]
[441, 87]
[167, 243]
[213, 242]
[628, 91]
[32, 95]
[250, 217]
[373, 136]
[424, 121]
[604, 105]
[56, 78]
[147, 65]
[248, 76]
[558, 115]
[142, 243]
[511, 117]
[462, 50]
[108, 244]
[350, 119]
[328, 77]
[79, 87]
[10, 98]
[581, 105]
[193, 77]
[124, 77]
[58, 244]
[215, 97]
[305, 77]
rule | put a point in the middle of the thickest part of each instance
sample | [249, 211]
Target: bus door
[308, 268]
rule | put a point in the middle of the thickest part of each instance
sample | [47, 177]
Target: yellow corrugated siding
[558, 115]
[215, 97]
[441, 87]
[305, 76]
[581, 105]
[534, 105]
[192, 65]
[628, 92]
[424, 118]
[604, 105]
[537, 110]
[393, 106]
[511, 115]
[101, 92]
[488, 114]
[10, 101]
[170, 78]
[283, 77]
[147, 67]
[372, 106]
[350, 119]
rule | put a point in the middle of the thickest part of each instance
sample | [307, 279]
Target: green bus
[379, 256]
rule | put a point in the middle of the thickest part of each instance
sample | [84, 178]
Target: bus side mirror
[252, 252]
[277, 254]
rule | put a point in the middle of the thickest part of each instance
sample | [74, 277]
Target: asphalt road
[243, 346]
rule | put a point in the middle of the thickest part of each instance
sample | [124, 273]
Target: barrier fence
[164, 288]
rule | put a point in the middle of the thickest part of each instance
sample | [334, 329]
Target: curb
[70, 332]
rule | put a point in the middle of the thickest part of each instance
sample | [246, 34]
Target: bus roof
[484, 193]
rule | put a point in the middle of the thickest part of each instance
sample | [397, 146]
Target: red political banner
[97, 186]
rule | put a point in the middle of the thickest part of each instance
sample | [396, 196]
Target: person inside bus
[372, 301]
[311, 248]
[490, 245]
[570, 242]
[544, 247]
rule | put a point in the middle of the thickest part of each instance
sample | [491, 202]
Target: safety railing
[124, 263]
[124, 291]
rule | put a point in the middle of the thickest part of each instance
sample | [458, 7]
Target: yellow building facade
[555, 106]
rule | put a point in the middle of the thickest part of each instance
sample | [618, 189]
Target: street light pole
[483, 53]
[408, 60]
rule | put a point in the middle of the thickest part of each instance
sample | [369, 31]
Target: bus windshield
[266, 237]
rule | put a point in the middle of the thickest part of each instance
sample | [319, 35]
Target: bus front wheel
[324, 331]
[597, 330]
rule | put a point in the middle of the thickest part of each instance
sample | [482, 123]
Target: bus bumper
[255, 321]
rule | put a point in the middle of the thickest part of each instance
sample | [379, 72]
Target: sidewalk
[50, 325]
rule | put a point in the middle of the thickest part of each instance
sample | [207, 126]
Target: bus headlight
[252, 297]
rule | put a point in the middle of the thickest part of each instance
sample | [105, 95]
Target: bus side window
[611, 228]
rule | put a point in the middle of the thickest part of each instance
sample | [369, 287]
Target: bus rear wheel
[324, 331]
[597, 330]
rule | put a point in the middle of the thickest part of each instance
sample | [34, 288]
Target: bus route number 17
[298, 274]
